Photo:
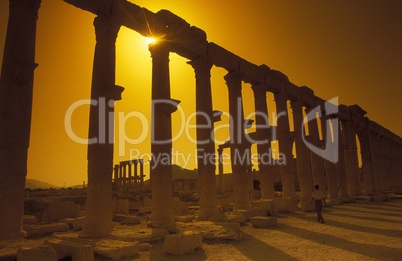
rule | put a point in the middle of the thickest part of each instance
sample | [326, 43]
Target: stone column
[285, 146]
[16, 85]
[340, 168]
[263, 142]
[104, 92]
[161, 138]
[349, 136]
[205, 138]
[238, 146]
[136, 178]
[220, 171]
[302, 157]
[317, 164]
[330, 167]
[141, 173]
[116, 177]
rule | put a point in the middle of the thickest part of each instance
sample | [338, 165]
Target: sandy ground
[362, 230]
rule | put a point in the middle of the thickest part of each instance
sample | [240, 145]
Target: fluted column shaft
[104, 92]
[16, 87]
[205, 138]
[263, 141]
[161, 143]
[238, 147]
[302, 157]
[285, 146]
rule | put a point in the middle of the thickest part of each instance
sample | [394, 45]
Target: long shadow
[373, 251]
[255, 249]
[393, 213]
[157, 255]
[372, 230]
[365, 217]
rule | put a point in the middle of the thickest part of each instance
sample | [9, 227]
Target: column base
[305, 204]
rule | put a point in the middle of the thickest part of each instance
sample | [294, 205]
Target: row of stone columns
[126, 176]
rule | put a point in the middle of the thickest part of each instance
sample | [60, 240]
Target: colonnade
[381, 149]
[126, 176]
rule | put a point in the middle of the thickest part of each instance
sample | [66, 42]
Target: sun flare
[149, 40]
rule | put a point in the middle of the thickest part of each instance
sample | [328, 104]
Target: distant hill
[36, 184]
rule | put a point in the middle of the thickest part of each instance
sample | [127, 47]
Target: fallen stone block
[213, 230]
[131, 220]
[58, 210]
[45, 229]
[68, 221]
[182, 243]
[114, 249]
[141, 235]
[185, 218]
[121, 206]
[144, 210]
[40, 253]
[284, 205]
[78, 223]
[76, 248]
[263, 221]
[29, 219]
[145, 246]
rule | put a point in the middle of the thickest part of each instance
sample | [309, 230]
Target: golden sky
[350, 49]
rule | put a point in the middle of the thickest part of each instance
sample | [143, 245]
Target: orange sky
[350, 49]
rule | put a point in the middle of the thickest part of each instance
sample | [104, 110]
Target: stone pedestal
[205, 139]
[104, 92]
[238, 146]
[16, 85]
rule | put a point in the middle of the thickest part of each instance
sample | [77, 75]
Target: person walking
[319, 198]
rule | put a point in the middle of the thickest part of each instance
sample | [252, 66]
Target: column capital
[159, 50]
[233, 79]
[202, 66]
[106, 28]
[31, 5]
[281, 101]
[260, 90]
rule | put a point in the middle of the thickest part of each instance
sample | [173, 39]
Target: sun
[149, 40]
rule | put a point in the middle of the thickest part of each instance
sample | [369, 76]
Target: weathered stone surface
[232, 217]
[76, 248]
[114, 249]
[182, 243]
[28, 219]
[179, 207]
[263, 221]
[41, 253]
[121, 206]
[284, 205]
[265, 205]
[68, 221]
[213, 230]
[139, 234]
[131, 220]
[250, 213]
[45, 229]
[58, 210]
[379, 197]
